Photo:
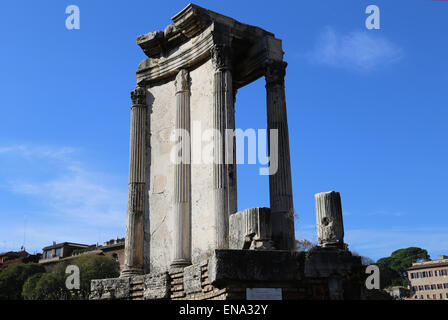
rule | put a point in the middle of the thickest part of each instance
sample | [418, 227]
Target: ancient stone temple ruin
[184, 236]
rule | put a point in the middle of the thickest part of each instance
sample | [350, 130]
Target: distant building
[429, 279]
[59, 251]
[115, 249]
[12, 257]
[398, 292]
[68, 251]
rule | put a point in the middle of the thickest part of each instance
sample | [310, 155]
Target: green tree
[51, 285]
[95, 267]
[393, 268]
[13, 277]
[304, 245]
[364, 260]
[375, 294]
[28, 290]
[46, 286]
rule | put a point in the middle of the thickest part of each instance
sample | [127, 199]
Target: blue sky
[366, 108]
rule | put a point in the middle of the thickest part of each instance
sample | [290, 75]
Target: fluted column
[182, 176]
[232, 202]
[280, 188]
[134, 244]
[222, 104]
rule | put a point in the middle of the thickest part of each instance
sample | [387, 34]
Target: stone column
[134, 244]
[330, 227]
[222, 104]
[182, 176]
[231, 157]
[280, 188]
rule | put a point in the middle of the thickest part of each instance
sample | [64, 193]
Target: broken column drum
[330, 227]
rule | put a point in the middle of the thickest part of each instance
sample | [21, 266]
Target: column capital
[182, 82]
[275, 72]
[221, 57]
[138, 96]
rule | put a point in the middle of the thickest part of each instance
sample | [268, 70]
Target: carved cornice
[182, 82]
[275, 72]
[138, 96]
[153, 70]
[197, 35]
[189, 23]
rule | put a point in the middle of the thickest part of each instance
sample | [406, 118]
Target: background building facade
[429, 279]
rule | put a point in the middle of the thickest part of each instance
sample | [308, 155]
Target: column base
[178, 263]
[131, 272]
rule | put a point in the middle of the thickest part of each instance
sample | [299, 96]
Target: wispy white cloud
[386, 213]
[378, 243]
[357, 50]
[26, 151]
[71, 200]
[78, 194]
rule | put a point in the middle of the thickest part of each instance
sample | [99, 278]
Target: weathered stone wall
[160, 179]
[203, 223]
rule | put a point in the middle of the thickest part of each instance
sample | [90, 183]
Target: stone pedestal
[322, 274]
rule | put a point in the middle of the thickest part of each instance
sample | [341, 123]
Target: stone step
[179, 287]
[136, 289]
[177, 281]
[136, 294]
[177, 275]
[207, 288]
[179, 294]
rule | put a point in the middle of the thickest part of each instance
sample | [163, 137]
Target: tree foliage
[393, 268]
[364, 260]
[375, 294]
[14, 276]
[33, 282]
[46, 286]
[51, 285]
[304, 245]
[96, 267]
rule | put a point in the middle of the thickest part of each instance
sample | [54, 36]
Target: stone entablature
[189, 40]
